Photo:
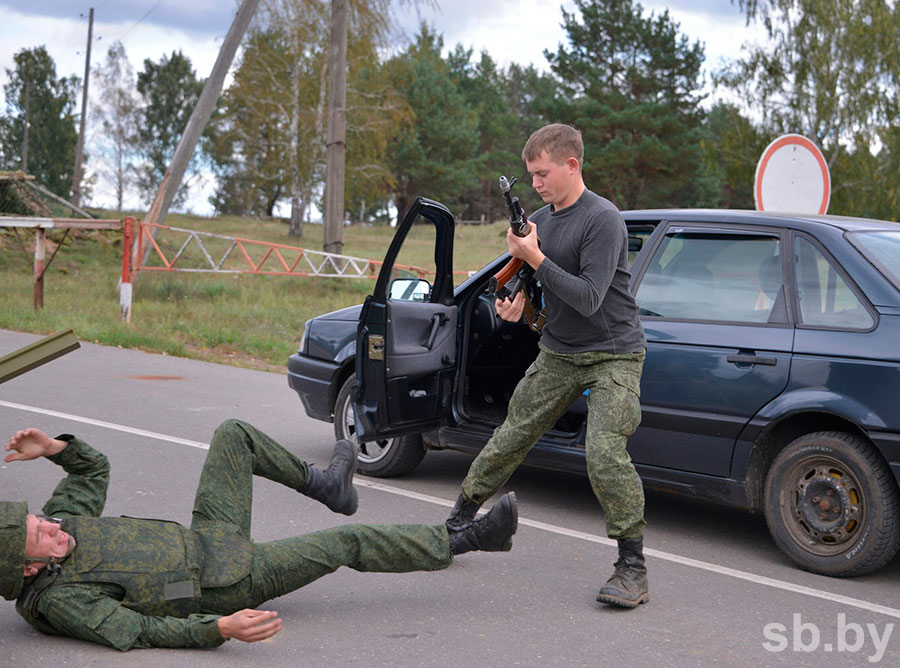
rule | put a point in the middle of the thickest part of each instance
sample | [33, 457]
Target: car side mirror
[409, 290]
[635, 244]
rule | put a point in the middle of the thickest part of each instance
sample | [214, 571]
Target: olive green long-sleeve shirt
[93, 611]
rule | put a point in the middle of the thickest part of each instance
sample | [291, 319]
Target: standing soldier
[128, 582]
[592, 340]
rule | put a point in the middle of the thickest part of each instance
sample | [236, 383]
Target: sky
[512, 31]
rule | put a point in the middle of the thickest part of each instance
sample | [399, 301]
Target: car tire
[382, 458]
[832, 506]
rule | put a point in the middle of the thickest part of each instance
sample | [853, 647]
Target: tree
[117, 113]
[830, 71]
[486, 91]
[38, 133]
[731, 146]
[169, 92]
[437, 153]
[270, 137]
[248, 140]
[632, 86]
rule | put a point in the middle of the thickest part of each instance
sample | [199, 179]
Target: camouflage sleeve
[83, 491]
[90, 613]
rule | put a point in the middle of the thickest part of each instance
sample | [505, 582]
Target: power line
[149, 11]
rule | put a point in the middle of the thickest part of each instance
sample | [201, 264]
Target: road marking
[552, 528]
[107, 425]
[659, 554]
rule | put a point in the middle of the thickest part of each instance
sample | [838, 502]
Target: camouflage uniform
[549, 387]
[149, 583]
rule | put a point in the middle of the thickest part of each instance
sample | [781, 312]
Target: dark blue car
[772, 379]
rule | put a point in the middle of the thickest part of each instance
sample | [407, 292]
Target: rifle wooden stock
[503, 276]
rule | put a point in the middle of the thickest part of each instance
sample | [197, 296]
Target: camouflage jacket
[129, 582]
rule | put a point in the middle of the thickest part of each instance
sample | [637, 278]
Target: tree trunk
[296, 227]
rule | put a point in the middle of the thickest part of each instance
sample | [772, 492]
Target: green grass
[247, 320]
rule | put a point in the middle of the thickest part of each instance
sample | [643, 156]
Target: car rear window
[881, 249]
[722, 276]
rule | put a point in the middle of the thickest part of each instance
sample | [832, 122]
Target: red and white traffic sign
[792, 176]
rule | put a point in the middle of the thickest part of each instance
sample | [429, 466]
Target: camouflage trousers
[224, 496]
[549, 387]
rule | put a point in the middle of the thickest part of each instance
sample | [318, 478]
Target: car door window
[826, 299]
[416, 256]
[715, 276]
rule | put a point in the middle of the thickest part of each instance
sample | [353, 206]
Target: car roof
[747, 217]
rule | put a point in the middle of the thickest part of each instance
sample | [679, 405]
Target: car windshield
[883, 250]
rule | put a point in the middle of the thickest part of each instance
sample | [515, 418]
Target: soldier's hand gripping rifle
[517, 276]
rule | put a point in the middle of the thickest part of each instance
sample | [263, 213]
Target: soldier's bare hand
[525, 248]
[32, 443]
[511, 311]
[250, 625]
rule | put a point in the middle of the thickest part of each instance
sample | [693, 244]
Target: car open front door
[406, 341]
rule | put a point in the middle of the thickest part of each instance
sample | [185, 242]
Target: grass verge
[253, 321]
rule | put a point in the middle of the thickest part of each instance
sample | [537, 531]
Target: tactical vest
[159, 565]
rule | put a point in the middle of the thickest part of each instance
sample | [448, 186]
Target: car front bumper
[314, 382]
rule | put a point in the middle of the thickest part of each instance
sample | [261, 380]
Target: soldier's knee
[230, 426]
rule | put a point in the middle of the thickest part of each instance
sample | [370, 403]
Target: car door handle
[752, 359]
[437, 320]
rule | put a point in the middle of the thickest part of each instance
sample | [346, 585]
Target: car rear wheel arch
[776, 436]
[832, 504]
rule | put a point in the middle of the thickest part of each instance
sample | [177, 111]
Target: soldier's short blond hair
[560, 141]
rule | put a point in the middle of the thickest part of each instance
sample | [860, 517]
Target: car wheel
[382, 458]
[831, 504]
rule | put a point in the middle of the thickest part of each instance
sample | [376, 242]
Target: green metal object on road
[35, 354]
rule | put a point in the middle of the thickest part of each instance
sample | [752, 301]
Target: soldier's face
[555, 182]
[45, 539]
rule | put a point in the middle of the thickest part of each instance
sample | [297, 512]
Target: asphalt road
[721, 593]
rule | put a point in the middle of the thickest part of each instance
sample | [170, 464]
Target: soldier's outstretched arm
[91, 613]
[32, 443]
[83, 491]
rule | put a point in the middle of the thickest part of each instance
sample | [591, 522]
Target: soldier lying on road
[129, 582]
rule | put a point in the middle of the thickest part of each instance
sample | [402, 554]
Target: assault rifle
[517, 276]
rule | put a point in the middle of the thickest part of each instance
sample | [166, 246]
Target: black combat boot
[627, 588]
[334, 485]
[491, 533]
[462, 514]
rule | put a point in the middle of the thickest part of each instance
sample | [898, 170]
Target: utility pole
[336, 144]
[25, 129]
[159, 208]
[79, 149]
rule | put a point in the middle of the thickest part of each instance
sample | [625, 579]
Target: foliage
[253, 321]
[270, 137]
[36, 97]
[731, 146]
[248, 144]
[631, 86]
[487, 93]
[169, 92]
[118, 131]
[437, 154]
[830, 72]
